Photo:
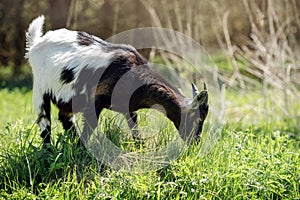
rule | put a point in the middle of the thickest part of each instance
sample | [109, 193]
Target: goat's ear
[204, 86]
[195, 90]
[199, 98]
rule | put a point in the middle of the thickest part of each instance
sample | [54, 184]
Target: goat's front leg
[67, 121]
[90, 120]
[132, 123]
[42, 104]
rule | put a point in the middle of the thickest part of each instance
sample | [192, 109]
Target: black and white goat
[75, 68]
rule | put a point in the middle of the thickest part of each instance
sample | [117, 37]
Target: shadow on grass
[36, 167]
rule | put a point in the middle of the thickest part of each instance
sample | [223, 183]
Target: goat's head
[193, 114]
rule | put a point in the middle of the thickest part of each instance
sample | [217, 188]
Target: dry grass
[266, 60]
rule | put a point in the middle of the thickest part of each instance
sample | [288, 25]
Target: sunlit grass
[248, 162]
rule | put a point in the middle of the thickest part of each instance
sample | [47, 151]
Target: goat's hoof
[80, 144]
[47, 147]
[139, 142]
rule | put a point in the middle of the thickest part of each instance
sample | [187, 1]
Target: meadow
[254, 155]
[252, 159]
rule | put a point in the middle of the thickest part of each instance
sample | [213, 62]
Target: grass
[248, 162]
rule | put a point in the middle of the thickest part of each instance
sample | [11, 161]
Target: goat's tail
[35, 31]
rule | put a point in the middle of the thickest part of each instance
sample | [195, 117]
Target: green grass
[249, 161]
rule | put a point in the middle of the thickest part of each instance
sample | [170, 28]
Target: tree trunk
[59, 10]
[19, 40]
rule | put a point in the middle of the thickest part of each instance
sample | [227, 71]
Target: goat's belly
[76, 104]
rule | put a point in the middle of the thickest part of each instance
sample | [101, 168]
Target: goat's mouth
[197, 138]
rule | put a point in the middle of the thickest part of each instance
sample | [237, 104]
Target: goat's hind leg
[67, 120]
[42, 103]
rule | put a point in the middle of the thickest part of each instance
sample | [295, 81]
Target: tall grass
[267, 60]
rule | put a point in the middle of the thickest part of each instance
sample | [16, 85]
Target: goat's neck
[168, 101]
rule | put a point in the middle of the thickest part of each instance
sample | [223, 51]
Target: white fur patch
[49, 54]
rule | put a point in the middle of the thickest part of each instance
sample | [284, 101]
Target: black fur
[47, 109]
[84, 39]
[67, 75]
[66, 119]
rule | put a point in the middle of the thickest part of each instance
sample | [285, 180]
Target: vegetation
[247, 162]
[255, 46]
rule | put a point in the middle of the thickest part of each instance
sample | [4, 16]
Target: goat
[71, 66]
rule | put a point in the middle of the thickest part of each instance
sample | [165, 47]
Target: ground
[249, 161]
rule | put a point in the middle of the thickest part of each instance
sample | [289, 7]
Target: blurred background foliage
[203, 20]
[250, 40]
